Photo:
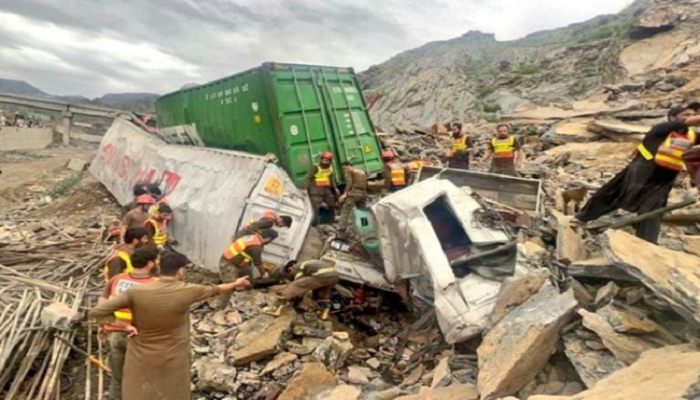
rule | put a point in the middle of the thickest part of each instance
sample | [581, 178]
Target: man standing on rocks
[319, 276]
[268, 220]
[505, 151]
[355, 195]
[158, 356]
[145, 261]
[321, 186]
[120, 259]
[645, 183]
[243, 254]
[460, 148]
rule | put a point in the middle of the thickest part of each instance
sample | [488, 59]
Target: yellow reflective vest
[670, 152]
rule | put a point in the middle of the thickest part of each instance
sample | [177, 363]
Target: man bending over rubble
[269, 220]
[243, 254]
[645, 183]
[158, 356]
[318, 276]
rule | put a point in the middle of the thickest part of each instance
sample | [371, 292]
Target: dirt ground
[35, 171]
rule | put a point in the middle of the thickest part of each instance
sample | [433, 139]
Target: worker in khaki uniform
[120, 259]
[319, 276]
[505, 151]
[460, 148]
[321, 186]
[395, 172]
[157, 225]
[243, 254]
[355, 195]
[158, 358]
[144, 261]
[269, 220]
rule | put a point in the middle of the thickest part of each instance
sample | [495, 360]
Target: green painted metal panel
[293, 111]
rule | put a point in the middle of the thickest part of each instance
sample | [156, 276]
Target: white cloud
[158, 45]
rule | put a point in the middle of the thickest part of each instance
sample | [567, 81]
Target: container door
[305, 127]
[275, 191]
[352, 130]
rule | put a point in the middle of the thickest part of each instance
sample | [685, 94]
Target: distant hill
[21, 88]
[138, 102]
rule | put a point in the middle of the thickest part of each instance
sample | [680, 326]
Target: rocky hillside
[642, 54]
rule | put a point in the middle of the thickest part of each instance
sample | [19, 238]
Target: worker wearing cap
[460, 148]
[643, 186]
[504, 149]
[144, 261]
[268, 220]
[120, 259]
[395, 172]
[243, 254]
[321, 186]
[157, 225]
[137, 190]
[137, 217]
[319, 276]
[354, 195]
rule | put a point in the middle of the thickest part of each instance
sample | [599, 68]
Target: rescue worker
[321, 186]
[677, 113]
[138, 190]
[144, 262]
[645, 183]
[243, 254]
[119, 260]
[158, 358]
[157, 225]
[505, 151]
[460, 148]
[319, 276]
[268, 220]
[137, 217]
[354, 195]
[395, 174]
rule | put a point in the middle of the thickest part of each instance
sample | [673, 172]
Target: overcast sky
[91, 47]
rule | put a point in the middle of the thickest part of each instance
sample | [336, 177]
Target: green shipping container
[296, 112]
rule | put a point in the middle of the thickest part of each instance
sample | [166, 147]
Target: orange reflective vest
[323, 176]
[460, 143]
[239, 246]
[503, 148]
[119, 284]
[160, 237]
[124, 257]
[670, 152]
[398, 174]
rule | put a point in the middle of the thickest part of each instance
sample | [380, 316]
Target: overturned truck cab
[431, 239]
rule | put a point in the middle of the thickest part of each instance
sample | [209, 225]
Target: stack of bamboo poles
[31, 356]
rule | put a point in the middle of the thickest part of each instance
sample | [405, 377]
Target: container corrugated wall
[293, 111]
